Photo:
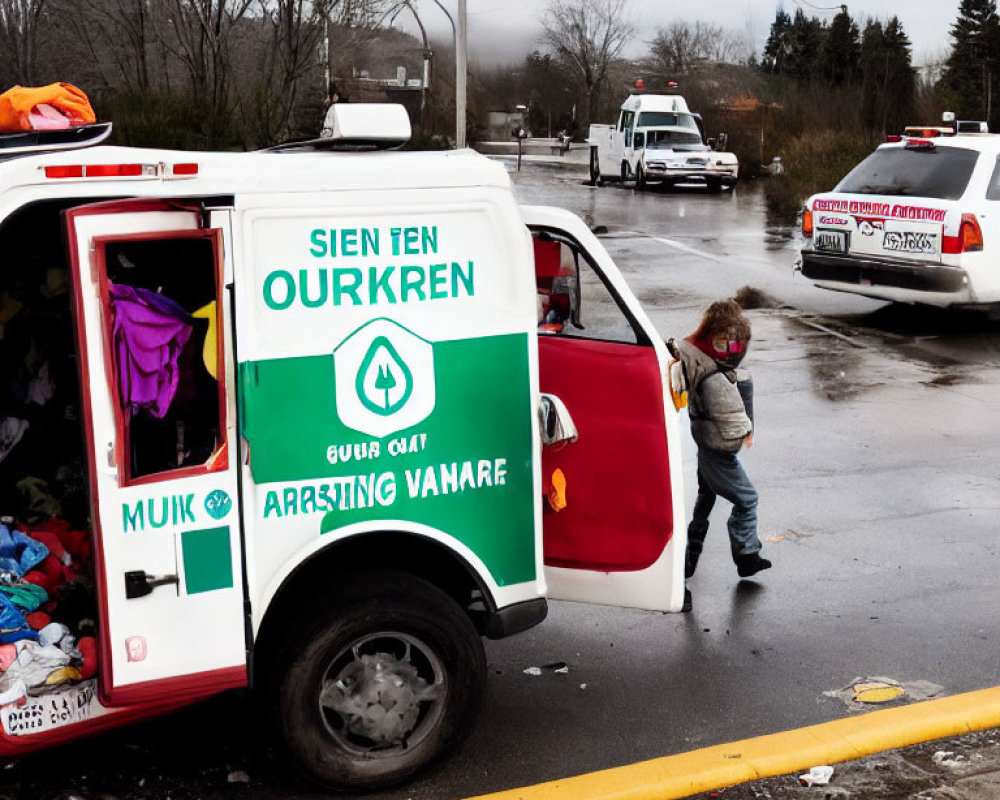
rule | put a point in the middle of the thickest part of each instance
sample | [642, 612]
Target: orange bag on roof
[58, 105]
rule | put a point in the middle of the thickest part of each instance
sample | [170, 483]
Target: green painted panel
[464, 469]
[208, 563]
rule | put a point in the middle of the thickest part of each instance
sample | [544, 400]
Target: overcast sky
[505, 30]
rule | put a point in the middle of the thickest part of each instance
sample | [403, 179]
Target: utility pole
[461, 61]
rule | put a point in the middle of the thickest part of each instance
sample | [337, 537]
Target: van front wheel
[385, 683]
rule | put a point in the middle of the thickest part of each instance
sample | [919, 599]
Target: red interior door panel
[619, 511]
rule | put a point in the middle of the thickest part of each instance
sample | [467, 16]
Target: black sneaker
[751, 564]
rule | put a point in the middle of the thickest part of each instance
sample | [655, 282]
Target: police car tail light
[969, 239]
[807, 223]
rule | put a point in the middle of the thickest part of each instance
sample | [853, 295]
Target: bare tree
[198, 33]
[588, 35]
[115, 38]
[682, 46]
[19, 24]
[287, 48]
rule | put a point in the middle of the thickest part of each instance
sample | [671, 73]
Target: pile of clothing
[47, 609]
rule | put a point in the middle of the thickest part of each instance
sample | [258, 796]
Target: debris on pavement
[817, 776]
[560, 667]
[864, 692]
[876, 692]
[946, 758]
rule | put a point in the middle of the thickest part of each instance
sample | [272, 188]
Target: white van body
[376, 382]
[657, 139]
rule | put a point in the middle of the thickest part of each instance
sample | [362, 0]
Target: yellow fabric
[210, 352]
[63, 675]
[9, 307]
[16, 104]
[557, 491]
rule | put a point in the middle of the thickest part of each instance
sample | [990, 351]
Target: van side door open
[615, 541]
[156, 363]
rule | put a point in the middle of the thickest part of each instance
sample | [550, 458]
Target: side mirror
[638, 141]
[722, 142]
[554, 420]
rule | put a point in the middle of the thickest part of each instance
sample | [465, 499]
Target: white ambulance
[341, 412]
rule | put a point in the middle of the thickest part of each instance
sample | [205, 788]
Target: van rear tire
[385, 681]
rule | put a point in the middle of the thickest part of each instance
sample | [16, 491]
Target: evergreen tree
[870, 63]
[972, 68]
[778, 45]
[806, 39]
[900, 78]
[841, 50]
[888, 80]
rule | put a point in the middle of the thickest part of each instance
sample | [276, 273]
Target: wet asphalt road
[876, 461]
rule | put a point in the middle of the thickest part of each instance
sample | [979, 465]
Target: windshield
[939, 172]
[661, 119]
[656, 139]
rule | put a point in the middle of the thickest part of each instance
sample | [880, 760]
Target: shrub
[814, 162]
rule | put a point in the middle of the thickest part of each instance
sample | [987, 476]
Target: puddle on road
[846, 360]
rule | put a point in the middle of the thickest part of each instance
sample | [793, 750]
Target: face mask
[730, 352]
[731, 347]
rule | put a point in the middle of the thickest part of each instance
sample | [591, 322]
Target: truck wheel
[385, 682]
[640, 178]
[595, 168]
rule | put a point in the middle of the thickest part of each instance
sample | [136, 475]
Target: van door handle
[108, 465]
[139, 584]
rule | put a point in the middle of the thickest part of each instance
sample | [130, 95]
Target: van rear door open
[616, 540]
[156, 360]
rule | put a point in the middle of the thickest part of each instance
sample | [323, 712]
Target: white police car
[917, 221]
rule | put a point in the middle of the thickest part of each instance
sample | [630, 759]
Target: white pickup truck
[658, 140]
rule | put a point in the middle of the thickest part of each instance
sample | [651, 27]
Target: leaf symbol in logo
[384, 381]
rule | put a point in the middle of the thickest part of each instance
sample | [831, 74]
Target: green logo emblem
[218, 504]
[384, 382]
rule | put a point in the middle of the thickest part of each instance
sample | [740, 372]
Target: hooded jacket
[719, 418]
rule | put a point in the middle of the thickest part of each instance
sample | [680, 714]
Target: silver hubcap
[383, 692]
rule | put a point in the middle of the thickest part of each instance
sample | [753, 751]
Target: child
[720, 406]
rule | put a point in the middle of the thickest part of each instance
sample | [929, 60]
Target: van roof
[214, 173]
[656, 102]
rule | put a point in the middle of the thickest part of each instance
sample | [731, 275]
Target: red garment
[76, 542]
[38, 578]
[88, 647]
[50, 575]
[37, 620]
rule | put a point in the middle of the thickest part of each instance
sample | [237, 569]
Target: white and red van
[323, 436]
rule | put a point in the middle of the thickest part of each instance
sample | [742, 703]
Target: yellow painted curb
[723, 765]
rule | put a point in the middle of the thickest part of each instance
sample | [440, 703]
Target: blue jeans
[721, 474]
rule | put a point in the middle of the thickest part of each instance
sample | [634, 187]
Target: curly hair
[723, 318]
